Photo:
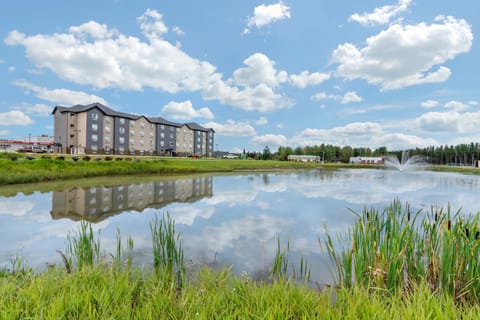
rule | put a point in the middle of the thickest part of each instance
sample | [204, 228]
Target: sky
[394, 73]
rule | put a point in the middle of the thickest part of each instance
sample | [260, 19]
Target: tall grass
[282, 271]
[168, 257]
[82, 248]
[396, 249]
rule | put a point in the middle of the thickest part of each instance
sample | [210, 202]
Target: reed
[123, 255]
[168, 257]
[82, 248]
[282, 271]
[397, 249]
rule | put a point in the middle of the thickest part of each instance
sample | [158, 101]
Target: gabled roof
[161, 120]
[110, 112]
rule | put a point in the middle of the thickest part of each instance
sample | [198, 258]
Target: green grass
[396, 249]
[99, 289]
[22, 170]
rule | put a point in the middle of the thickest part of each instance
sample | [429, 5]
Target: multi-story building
[95, 128]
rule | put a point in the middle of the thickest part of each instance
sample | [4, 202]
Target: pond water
[223, 219]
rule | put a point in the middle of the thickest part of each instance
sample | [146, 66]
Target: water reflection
[99, 203]
[228, 219]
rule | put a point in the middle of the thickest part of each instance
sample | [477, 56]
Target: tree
[267, 155]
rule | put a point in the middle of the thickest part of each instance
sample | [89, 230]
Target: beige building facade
[97, 129]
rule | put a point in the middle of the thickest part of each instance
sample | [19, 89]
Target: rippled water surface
[223, 219]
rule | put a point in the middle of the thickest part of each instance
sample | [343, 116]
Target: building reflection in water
[96, 204]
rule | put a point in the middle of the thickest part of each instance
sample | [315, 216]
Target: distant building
[303, 158]
[367, 160]
[41, 143]
[95, 128]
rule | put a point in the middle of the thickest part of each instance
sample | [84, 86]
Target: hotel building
[97, 129]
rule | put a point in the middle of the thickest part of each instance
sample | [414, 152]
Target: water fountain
[405, 163]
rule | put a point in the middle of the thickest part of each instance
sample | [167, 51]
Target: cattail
[436, 215]
[367, 215]
[477, 234]
[408, 215]
[449, 225]
[467, 232]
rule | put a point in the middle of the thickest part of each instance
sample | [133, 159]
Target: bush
[60, 158]
[108, 158]
[119, 159]
[128, 159]
[86, 158]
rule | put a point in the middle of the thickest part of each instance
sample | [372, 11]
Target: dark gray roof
[109, 112]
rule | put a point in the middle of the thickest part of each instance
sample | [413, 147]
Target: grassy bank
[100, 292]
[89, 287]
[17, 168]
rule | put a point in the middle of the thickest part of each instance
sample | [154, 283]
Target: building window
[162, 127]
[121, 130]
[142, 124]
[94, 147]
[72, 125]
[122, 121]
[142, 133]
[94, 116]
[94, 127]
[162, 143]
[132, 132]
[107, 139]
[107, 129]
[121, 140]
[94, 138]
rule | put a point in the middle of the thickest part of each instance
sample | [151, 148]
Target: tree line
[461, 154]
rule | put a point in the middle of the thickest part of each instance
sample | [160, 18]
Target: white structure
[367, 160]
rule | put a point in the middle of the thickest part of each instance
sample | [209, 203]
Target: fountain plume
[405, 163]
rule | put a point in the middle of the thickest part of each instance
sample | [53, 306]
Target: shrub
[108, 158]
[119, 159]
[86, 158]
[60, 158]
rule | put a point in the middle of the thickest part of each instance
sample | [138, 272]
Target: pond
[223, 219]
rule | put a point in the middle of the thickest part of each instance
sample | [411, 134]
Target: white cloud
[40, 110]
[271, 140]
[260, 98]
[456, 106]
[381, 15]
[185, 111]
[178, 31]
[473, 103]
[16, 208]
[403, 56]
[231, 128]
[261, 121]
[92, 29]
[14, 118]
[60, 96]
[152, 24]
[4, 133]
[266, 14]
[430, 104]
[360, 134]
[306, 78]
[11, 69]
[451, 122]
[92, 54]
[259, 69]
[350, 96]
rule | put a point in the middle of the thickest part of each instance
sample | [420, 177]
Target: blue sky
[394, 73]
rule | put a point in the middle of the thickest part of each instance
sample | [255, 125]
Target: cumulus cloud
[266, 14]
[14, 118]
[261, 121]
[178, 31]
[60, 96]
[306, 78]
[456, 106]
[185, 111]
[430, 104]
[93, 54]
[405, 55]
[350, 96]
[231, 128]
[271, 140]
[381, 15]
[259, 70]
[452, 122]
[40, 110]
